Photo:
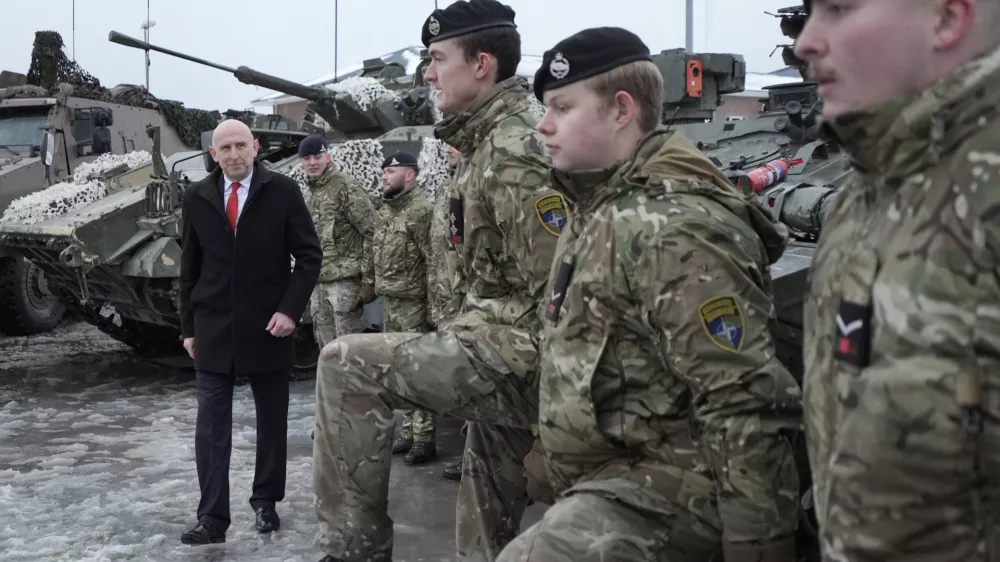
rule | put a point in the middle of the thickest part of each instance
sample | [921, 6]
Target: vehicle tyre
[306, 352]
[26, 304]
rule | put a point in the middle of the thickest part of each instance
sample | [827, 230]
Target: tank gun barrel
[134, 43]
[244, 74]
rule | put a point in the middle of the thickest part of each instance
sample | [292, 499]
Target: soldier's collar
[466, 130]
[586, 189]
[401, 198]
[322, 178]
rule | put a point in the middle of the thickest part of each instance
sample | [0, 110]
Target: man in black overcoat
[240, 300]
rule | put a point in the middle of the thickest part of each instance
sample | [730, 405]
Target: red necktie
[233, 206]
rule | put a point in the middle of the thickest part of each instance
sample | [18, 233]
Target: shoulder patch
[552, 212]
[723, 321]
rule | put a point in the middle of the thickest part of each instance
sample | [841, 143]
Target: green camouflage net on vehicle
[50, 68]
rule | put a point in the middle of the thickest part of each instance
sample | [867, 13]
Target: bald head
[234, 148]
[231, 128]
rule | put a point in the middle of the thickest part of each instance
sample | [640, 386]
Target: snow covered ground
[97, 463]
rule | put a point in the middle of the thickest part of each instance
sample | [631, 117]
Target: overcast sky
[294, 39]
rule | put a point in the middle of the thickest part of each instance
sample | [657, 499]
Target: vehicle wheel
[306, 352]
[26, 304]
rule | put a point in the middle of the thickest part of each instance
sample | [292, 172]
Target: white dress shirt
[241, 193]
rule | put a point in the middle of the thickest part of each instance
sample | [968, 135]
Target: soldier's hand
[280, 325]
[189, 346]
[539, 488]
[367, 293]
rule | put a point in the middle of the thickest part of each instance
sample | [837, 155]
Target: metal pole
[690, 26]
[336, 40]
[147, 40]
[74, 30]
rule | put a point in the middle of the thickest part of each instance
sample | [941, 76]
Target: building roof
[409, 57]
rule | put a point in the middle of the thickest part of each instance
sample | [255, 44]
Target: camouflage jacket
[504, 221]
[902, 342]
[445, 280]
[397, 265]
[345, 222]
[658, 360]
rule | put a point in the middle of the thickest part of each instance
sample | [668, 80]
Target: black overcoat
[231, 286]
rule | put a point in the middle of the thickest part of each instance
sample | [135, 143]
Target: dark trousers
[213, 442]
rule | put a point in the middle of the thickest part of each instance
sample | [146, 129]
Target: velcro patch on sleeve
[552, 212]
[724, 322]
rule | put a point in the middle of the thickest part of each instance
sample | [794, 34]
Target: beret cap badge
[559, 67]
[433, 26]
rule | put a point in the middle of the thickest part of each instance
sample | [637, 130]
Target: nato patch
[724, 323]
[552, 213]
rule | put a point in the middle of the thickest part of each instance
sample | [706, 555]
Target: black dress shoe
[267, 520]
[203, 534]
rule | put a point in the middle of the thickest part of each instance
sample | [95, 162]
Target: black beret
[588, 53]
[313, 144]
[400, 159]
[462, 17]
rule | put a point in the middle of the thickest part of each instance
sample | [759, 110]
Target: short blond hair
[641, 80]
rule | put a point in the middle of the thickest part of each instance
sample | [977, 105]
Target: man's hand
[189, 346]
[367, 293]
[280, 325]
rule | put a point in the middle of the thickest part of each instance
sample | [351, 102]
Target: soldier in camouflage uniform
[902, 321]
[444, 277]
[662, 403]
[345, 220]
[397, 267]
[481, 366]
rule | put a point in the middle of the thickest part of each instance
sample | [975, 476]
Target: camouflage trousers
[410, 315]
[361, 379]
[620, 520]
[336, 310]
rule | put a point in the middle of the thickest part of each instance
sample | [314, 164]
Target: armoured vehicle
[43, 139]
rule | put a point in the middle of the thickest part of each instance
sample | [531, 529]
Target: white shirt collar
[245, 182]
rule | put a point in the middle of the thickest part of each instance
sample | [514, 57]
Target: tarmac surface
[97, 463]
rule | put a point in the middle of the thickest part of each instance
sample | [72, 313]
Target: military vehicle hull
[69, 138]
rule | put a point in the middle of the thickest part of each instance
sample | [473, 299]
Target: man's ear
[485, 63]
[624, 107]
[954, 22]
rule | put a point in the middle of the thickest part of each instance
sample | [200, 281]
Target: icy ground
[97, 463]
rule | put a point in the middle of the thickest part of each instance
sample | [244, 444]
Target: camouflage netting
[364, 90]
[536, 108]
[362, 161]
[66, 197]
[51, 70]
[433, 162]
